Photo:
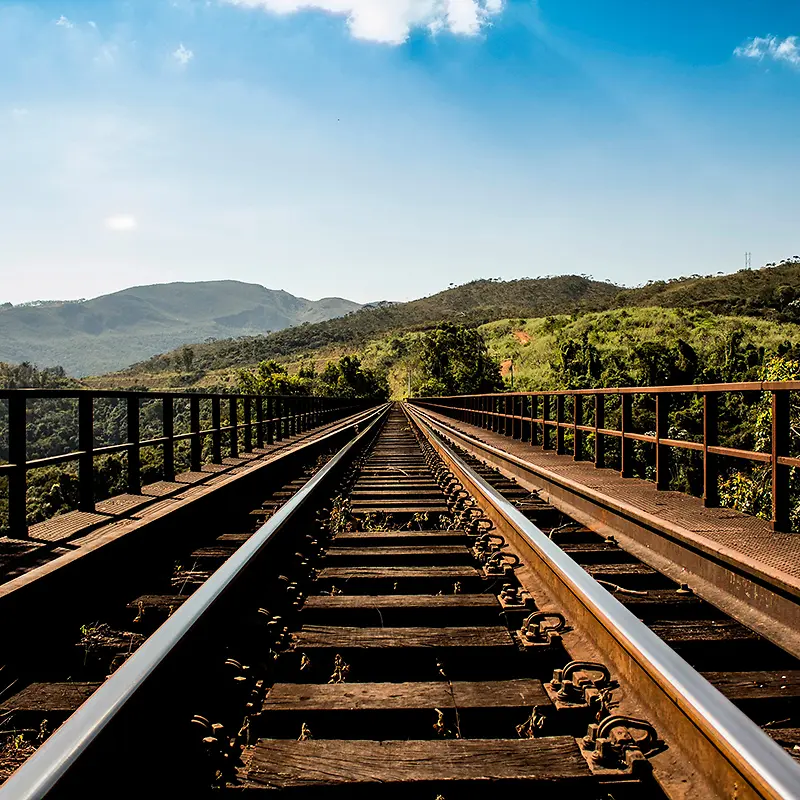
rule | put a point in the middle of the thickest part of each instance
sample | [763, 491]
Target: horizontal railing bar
[733, 452]
[147, 395]
[61, 458]
[691, 388]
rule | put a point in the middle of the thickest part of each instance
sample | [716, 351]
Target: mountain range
[112, 331]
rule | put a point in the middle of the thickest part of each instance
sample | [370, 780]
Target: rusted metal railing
[536, 417]
[263, 420]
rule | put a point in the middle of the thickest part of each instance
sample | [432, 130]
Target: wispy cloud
[391, 21]
[761, 47]
[121, 223]
[63, 22]
[19, 113]
[183, 55]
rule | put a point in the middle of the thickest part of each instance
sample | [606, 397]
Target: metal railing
[539, 417]
[263, 420]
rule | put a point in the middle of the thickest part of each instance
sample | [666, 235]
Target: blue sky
[385, 148]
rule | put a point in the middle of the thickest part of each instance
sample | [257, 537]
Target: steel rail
[41, 773]
[735, 740]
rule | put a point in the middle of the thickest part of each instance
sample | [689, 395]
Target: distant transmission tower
[748, 260]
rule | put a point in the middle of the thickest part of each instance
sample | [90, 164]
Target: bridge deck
[723, 532]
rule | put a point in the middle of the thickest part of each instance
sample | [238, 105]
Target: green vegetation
[112, 331]
[772, 292]
[455, 360]
[768, 293]
[343, 378]
[470, 305]
[548, 333]
[637, 347]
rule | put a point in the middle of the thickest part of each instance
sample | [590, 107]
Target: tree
[347, 378]
[270, 377]
[186, 358]
[454, 360]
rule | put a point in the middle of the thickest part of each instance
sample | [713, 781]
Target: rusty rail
[535, 416]
[269, 419]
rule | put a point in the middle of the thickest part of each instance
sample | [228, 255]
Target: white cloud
[761, 47]
[183, 55]
[391, 21]
[92, 24]
[63, 22]
[19, 113]
[121, 222]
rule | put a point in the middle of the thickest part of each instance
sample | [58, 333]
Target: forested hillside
[772, 292]
[471, 304]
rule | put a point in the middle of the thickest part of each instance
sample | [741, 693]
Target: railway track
[410, 620]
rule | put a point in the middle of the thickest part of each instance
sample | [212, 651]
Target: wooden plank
[398, 573]
[160, 601]
[234, 537]
[333, 637]
[222, 551]
[280, 764]
[49, 697]
[372, 538]
[769, 685]
[343, 602]
[617, 570]
[711, 631]
[400, 550]
[307, 697]
[407, 506]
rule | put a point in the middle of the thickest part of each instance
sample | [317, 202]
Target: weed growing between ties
[17, 745]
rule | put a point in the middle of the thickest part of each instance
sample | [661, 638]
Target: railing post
[278, 419]
[248, 430]
[626, 444]
[524, 417]
[233, 421]
[577, 419]
[86, 447]
[17, 478]
[781, 508]
[545, 419]
[216, 433]
[599, 424]
[168, 427]
[270, 421]
[134, 455]
[196, 444]
[560, 421]
[534, 415]
[710, 439]
[662, 451]
[260, 422]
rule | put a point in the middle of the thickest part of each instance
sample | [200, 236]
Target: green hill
[772, 292]
[471, 304]
[110, 332]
